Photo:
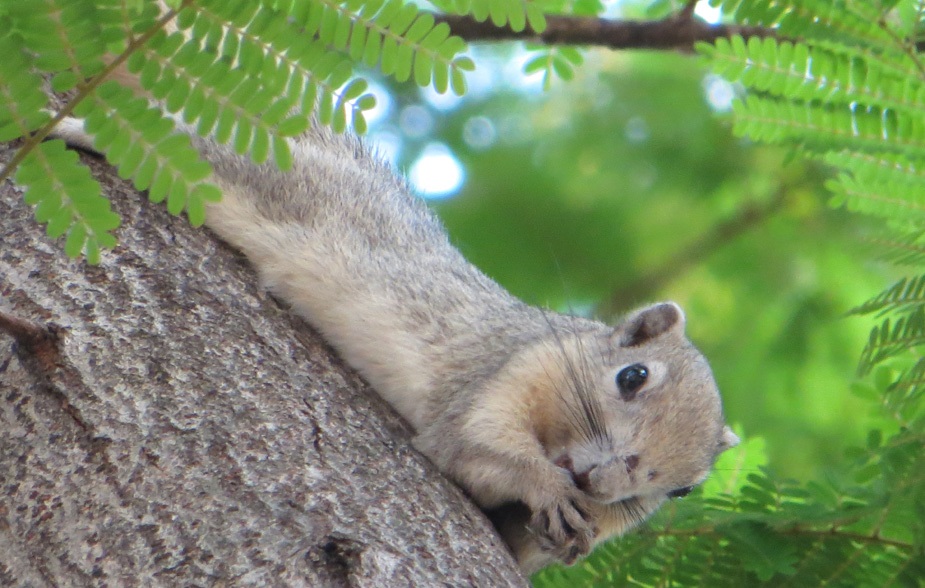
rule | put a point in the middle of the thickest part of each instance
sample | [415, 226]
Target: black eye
[631, 379]
[680, 492]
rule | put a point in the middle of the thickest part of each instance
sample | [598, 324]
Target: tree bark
[166, 422]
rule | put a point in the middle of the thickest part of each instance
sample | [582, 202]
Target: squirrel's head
[642, 414]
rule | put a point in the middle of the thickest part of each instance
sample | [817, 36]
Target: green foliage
[67, 199]
[157, 160]
[848, 22]
[516, 14]
[558, 61]
[404, 40]
[851, 93]
[903, 248]
[904, 293]
[251, 73]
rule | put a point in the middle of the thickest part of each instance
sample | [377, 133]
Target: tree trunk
[171, 424]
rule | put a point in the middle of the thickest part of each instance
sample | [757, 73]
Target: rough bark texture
[186, 430]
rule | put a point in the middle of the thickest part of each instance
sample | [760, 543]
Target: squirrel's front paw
[563, 528]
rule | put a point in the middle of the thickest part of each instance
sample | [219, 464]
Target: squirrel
[565, 430]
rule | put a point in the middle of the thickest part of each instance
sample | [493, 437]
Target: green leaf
[457, 82]
[76, 239]
[294, 125]
[761, 551]
[281, 154]
[177, 197]
[423, 65]
[65, 196]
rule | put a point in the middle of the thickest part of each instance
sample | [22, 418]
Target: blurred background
[625, 186]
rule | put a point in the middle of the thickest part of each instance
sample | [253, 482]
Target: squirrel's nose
[582, 480]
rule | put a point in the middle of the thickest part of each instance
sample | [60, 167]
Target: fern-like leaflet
[553, 61]
[403, 39]
[843, 21]
[851, 92]
[248, 73]
[56, 38]
[516, 14]
[900, 296]
[140, 142]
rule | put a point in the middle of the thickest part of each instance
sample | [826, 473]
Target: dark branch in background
[687, 12]
[678, 32]
[749, 216]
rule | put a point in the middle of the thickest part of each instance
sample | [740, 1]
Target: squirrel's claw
[563, 530]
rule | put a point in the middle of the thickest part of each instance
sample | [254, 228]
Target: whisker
[594, 408]
[632, 511]
[584, 426]
[582, 386]
[605, 360]
[591, 427]
[571, 412]
[594, 429]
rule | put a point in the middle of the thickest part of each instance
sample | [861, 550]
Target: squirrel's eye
[631, 379]
[680, 492]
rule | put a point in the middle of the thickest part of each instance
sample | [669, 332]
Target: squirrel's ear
[729, 439]
[651, 322]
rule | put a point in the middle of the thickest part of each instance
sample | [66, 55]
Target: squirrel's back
[346, 242]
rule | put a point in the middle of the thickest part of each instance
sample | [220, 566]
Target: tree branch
[678, 32]
[35, 339]
[193, 433]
